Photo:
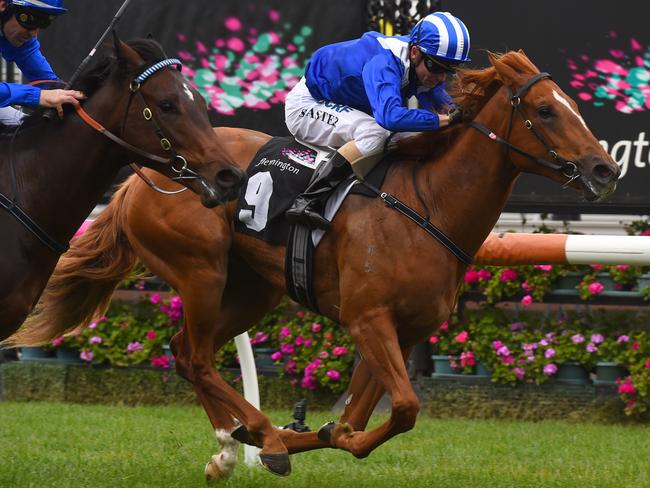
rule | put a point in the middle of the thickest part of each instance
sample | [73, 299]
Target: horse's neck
[62, 169]
[469, 185]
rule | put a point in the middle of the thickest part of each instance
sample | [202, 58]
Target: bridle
[176, 162]
[569, 169]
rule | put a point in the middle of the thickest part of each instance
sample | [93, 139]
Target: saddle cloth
[278, 173]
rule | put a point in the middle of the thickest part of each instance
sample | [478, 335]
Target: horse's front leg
[376, 338]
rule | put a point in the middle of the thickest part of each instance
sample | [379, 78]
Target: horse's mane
[99, 72]
[471, 90]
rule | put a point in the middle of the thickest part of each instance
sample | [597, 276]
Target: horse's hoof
[241, 434]
[218, 469]
[325, 432]
[277, 463]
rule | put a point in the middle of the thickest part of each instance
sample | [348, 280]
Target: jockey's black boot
[309, 205]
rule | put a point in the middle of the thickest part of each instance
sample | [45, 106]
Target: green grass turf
[66, 445]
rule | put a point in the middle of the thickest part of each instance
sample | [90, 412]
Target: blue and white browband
[159, 65]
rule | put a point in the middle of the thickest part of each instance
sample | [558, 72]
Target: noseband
[568, 168]
[176, 162]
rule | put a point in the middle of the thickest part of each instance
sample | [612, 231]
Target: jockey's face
[16, 34]
[426, 78]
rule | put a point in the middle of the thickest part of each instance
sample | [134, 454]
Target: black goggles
[436, 67]
[33, 21]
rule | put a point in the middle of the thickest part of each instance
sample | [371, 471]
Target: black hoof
[325, 432]
[241, 434]
[277, 463]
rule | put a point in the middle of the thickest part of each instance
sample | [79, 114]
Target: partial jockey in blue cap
[354, 95]
[21, 21]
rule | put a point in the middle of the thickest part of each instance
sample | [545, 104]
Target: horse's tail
[84, 279]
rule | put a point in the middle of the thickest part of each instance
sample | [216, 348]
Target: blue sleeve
[33, 65]
[437, 99]
[382, 77]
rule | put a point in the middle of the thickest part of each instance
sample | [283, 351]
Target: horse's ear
[506, 73]
[127, 56]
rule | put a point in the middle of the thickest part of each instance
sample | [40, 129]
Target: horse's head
[546, 133]
[164, 121]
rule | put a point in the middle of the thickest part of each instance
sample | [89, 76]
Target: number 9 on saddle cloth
[278, 173]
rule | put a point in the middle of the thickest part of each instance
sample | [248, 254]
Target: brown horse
[53, 173]
[379, 276]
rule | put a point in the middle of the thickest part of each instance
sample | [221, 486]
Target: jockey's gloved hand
[455, 115]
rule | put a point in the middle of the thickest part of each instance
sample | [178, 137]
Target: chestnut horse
[381, 277]
[52, 174]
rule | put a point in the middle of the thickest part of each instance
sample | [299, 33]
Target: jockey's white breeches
[10, 116]
[324, 123]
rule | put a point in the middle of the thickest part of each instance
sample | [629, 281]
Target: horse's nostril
[603, 172]
[227, 178]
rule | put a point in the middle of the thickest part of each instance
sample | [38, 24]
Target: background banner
[245, 55]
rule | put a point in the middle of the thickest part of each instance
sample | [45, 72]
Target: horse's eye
[545, 112]
[167, 106]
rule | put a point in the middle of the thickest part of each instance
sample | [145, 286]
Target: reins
[568, 168]
[176, 162]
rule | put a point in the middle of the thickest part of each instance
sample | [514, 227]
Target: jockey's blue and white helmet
[47, 7]
[443, 36]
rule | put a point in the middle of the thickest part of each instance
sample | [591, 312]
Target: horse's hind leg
[246, 300]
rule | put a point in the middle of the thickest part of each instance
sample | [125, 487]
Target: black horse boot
[309, 205]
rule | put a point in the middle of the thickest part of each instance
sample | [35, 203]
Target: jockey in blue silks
[354, 96]
[21, 21]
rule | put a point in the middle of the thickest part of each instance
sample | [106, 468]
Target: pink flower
[151, 335]
[299, 340]
[444, 325]
[308, 342]
[300, 314]
[645, 233]
[544, 267]
[290, 367]
[527, 287]
[155, 298]
[134, 346]
[462, 337]
[503, 351]
[160, 362]
[497, 344]
[591, 347]
[92, 325]
[597, 266]
[176, 303]
[577, 339]
[596, 288]
[286, 349]
[339, 350]
[308, 382]
[627, 388]
[550, 369]
[647, 364]
[484, 274]
[507, 360]
[519, 373]
[471, 277]
[323, 354]
[623, 338]
[95, 340]
[284, 332]
[276, 356]
[549, 353]
[467, 359]
[526, 301]
[635, 345]
[316, 327]
[333, 375]
[597, 338]
[622, 267]
[58, 342]
[508, 274]
[86, 355]
[434, 340]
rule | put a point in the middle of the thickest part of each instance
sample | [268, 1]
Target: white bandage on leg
[10, 116]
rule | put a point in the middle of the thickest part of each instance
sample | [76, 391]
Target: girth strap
[30, 225]
[392, 202]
